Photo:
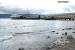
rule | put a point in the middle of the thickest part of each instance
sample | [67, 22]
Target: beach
[36, 34]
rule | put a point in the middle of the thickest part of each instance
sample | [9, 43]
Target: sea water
[37, 32]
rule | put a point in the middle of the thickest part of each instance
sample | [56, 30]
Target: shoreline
[58, 44]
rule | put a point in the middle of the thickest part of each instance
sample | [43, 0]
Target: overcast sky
[36, 6]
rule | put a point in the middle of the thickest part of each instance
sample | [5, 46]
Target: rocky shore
[69, 44]
[64, 40]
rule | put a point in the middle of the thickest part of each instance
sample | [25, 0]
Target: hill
[5, 15]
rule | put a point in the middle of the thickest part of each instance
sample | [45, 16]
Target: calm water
[9, 27]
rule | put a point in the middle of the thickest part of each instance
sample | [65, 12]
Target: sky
[36, 6]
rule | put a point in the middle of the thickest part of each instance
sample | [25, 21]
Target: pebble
[48, 37]
[63, 29]
[62, 34]
[57, 33]
[70, 37]
[21, 49]
[65, 33]
[53, 31]
[73, 32]
[68, 28]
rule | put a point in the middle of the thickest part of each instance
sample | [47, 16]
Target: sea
[30, 34]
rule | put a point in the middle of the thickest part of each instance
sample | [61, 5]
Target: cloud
[10, 9]
[35, 6]
[7, 9]
[69, 8]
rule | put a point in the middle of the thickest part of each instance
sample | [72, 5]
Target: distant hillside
[5, 15]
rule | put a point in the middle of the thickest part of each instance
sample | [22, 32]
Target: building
[25, 16]
[65, 16]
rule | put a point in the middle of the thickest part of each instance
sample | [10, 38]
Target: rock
[62, 29]
[21, 49]
[62, 34]
[48, 48]
[48, 37]
[62, 37]
[51, 46]
[70, 37]
[65, 33]
[73, 32]
[57, 33]
[53, 31]
[68, 28]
